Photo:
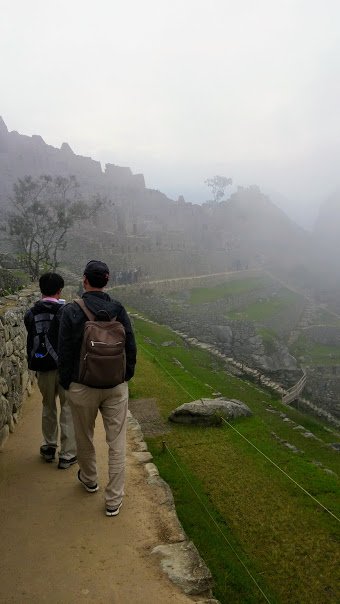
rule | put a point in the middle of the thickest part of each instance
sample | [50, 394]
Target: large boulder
[209, 412]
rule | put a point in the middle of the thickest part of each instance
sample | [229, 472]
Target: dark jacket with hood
[50, 309]
[72, 329]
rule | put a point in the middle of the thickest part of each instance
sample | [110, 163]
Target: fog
[181, 91]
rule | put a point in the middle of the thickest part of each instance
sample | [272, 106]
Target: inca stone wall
[208, 323]
[15, 379]
[323, 388]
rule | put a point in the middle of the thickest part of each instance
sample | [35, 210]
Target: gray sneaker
[66, 463]
[113, 511]
[90, 488]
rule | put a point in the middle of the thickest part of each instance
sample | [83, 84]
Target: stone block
[3, 386]
[136, 432]
[18, 343]
[184, 566]
[11, 318]
[151, 470]
[142, 457]
[9, 348]
[140, 446]
[15, 380]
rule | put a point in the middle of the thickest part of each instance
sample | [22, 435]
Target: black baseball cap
[97, 268]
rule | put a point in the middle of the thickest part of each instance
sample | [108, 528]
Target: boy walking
[42, 324]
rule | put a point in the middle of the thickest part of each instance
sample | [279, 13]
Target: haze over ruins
[247, 230]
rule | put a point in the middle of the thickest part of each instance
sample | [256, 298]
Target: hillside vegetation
[265, 534]
[201, 295]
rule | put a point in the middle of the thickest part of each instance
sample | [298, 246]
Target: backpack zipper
[93, 343]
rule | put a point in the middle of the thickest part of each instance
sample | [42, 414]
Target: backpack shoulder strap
[87, 312]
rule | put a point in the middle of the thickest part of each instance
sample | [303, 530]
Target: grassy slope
[201, 295]
[287, 541]
[315, 354]
[264, 309]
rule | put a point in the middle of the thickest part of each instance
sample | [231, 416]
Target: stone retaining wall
[15, 379]
[208, 323]
[323, 388]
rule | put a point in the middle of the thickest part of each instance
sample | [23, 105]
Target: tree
[218, 185]
[44, 210]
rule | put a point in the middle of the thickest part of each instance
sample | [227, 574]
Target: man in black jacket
[42, 324]
[85, 401]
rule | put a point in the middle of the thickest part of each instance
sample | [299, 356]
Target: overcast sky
[181, 90]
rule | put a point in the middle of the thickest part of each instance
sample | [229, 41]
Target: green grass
[265, 309]
[209, 531]
[267, 334]
[315, 354]
[288, 542]
[201, 295]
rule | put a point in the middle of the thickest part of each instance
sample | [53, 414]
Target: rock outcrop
[209, 412]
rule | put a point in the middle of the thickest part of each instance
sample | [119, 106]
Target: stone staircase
[307, 318]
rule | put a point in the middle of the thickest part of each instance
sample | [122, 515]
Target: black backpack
[43, 339]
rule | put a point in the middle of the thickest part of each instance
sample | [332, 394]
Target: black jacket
[72, 329]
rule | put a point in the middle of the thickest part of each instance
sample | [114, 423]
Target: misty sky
[183, 89]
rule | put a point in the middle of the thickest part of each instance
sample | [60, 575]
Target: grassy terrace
[257, 516]
[315, 354]
[233, 287]
[264, 309]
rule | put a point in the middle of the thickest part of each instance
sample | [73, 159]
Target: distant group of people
[83, 352]
[128, 276]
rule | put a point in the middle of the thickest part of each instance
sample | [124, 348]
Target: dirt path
[57, 545]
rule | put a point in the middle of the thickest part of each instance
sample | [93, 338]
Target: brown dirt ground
[146, 412]
[57, 545]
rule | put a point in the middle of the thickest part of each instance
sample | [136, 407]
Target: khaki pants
[50, 390]
[112, 404]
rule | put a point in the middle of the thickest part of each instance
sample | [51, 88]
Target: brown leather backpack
[102, 353]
